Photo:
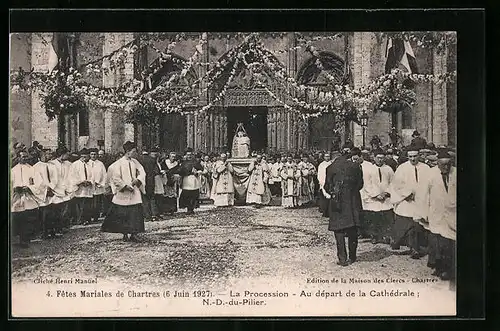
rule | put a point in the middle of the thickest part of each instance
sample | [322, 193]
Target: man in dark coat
[148, 200]
[190, 171]
[344, 180]
[417, 141]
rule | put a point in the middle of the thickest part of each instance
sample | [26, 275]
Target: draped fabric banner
[241, 179]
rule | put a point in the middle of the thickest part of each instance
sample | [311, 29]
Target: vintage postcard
[180, 174]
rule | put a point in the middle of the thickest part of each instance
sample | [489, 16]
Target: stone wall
[365, 56]
[20, 101]
[42, 130]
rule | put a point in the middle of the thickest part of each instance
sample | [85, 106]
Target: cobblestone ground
[216, 247]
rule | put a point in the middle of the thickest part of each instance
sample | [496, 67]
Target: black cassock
[189, 198]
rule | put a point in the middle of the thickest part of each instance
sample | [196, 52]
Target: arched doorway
[321, 129]
[170, 135]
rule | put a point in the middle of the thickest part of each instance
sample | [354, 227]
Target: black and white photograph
[219, 174]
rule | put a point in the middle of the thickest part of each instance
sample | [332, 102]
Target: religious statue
[241, 143]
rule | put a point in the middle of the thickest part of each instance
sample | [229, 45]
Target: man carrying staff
[223, 186]
[99, 181]
[344, 180]
[126, 178]
[81, 185]
[437, 212]
[191, 171]
[404, 187]
[24, 204]
[258, 191]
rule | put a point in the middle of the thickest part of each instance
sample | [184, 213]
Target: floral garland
[69, 92]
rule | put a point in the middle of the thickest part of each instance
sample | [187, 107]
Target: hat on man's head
[84, 151]
[379, 151]
[443, 153]
[189, 150]
[432, 157]
[128, 146]
[355, 151]
[348, 145]
[61, 150]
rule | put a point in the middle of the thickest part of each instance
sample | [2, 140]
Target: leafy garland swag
[68, 92]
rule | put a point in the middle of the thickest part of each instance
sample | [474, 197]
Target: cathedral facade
[355, 58]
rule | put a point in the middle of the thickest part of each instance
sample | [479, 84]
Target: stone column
[42, 130]
[223, 131]
[116, 130]
[271, 128]
[189, 132]
[439, 101]
[20, 120]
[363, 42]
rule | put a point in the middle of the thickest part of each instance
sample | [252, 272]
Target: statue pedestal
[241, 161]
[240, 178]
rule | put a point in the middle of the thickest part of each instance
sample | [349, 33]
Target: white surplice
[404, 184]
[275, 170]
[23, 175]
[79, 172]
[59, 177]
[123, 172]
[99, 177]
[437, 205]
[322, 172]
[366, 167]
[43, 180]
[159, 180]
[377, 180]
[223, 185]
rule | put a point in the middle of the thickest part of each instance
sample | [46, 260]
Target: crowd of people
[396, 197]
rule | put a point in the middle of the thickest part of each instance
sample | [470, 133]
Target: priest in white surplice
[258, 192]
[323, 202]
[24, 204]
[290, 184]
[366, 227]
[99, 181]
[376, 200]
[223, 186]
[60, 200]
[437, 212]
[45, 185]
[404, 187]
[80, 184]
[126, 178]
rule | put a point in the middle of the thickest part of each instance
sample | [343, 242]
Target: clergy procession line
[399, 199]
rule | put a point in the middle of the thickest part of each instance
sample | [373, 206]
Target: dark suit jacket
[151, 169]
[344, 180]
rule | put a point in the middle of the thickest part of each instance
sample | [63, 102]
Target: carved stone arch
[168, 67]
[243, 79]
[310, 74]
[322, 129]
